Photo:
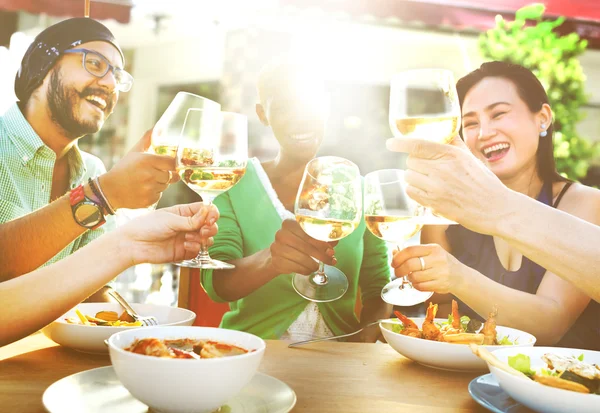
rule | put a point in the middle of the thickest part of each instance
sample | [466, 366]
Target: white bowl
[447, 356]
[185, 385]
[538, 396]
[90, 339]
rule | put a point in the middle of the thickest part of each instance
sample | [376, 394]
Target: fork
[147, 321]
[314, 340]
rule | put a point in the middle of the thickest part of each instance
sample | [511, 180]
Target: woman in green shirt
[258, 232]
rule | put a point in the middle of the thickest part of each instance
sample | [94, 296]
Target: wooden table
[327, 377]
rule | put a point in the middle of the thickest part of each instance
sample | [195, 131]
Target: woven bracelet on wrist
[98, 192]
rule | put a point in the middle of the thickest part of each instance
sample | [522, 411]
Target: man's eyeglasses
[97, 65]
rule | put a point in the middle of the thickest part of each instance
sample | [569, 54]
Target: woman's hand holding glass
[392, 216]
[430, 268]
[293, 250]
[328, 208]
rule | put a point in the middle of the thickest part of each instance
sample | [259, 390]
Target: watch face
[88, 214]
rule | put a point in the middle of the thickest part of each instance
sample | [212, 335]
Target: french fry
[82, 318]
[464, 338]
[484, 354]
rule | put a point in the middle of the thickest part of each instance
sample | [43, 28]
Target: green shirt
[26, 168]
[247, 224]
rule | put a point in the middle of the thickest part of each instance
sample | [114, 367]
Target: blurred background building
[216, 48]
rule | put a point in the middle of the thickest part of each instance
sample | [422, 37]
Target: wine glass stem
[405, 281]
[319, 277]
[203, 253]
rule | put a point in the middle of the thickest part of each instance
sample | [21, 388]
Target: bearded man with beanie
[54, 197]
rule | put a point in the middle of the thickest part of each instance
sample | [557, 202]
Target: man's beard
[62, 102]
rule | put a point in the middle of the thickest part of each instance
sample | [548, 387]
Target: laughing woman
[507, 124]
[258, 232]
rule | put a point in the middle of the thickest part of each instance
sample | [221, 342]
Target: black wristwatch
[86, 212]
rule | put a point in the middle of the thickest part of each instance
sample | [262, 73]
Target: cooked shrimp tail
[408, 323]
[489, 328]
[430, 330]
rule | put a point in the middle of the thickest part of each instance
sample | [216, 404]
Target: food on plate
[185, 348]
[104, 318]
[563, 372]
[457, 330]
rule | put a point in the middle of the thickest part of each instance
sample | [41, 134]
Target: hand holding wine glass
[392, 216]
[430, 268]
[294, 251]
[328, 208]
[163, 139]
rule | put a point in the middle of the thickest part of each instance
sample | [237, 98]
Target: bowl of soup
[184, 368]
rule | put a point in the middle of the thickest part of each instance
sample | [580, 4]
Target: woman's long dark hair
[532, 92]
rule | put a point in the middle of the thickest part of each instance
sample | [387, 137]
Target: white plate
[99, 391]
[486, 391]
[447, 356]
[541, 397]
[90, 339]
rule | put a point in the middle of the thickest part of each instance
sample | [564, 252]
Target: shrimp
[408, 323]
[150, 347]
[430, 330]
[410, 328]
[489, 328]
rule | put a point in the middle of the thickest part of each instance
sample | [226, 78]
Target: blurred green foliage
[553, 59]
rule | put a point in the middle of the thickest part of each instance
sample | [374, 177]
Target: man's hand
[138, 180]
[293, 250]
[453, 183]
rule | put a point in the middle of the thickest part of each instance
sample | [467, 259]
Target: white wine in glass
[212, 158]
[168, 129]
[424, 105]
[328, 208]
[394, 217]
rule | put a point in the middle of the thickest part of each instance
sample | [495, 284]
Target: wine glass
[328, 208]
[211, 158]
[168, 129]
[166, 133]
[424, 105]
[390, 214]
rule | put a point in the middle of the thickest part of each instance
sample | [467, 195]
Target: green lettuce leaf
[464, 321]
[397, 328]
[505, 341]
[522, 363]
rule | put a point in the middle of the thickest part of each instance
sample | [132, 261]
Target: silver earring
[544, 132]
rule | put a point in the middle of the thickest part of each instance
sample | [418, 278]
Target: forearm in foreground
[557, 241]
[36, 299]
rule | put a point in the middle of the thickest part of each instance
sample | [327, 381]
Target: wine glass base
[336, 287]
[403, 297]
[209, 264]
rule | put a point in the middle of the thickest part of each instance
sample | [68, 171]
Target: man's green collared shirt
[26, 167]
